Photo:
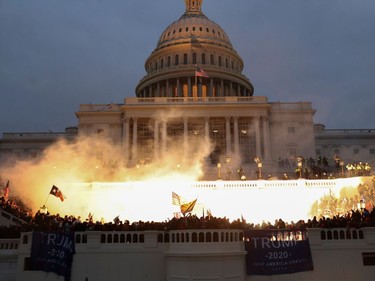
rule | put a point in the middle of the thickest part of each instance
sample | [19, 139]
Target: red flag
[55, 191]
[199, 72]
[6, 190]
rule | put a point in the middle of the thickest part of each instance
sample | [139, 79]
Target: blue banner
[53, 252]
[271, 252]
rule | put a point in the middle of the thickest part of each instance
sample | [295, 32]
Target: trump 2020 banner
[271, 252]
[53, 252]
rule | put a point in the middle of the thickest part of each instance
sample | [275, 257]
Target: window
[185, 58]
[212, 60]
[100, 132]
[372, 150]
[203, 58]
[161, 63]
[356, 151]
[291, 130]
[169, 62]
[194, 58]
[219, 60]
[176, 60]
[368, 259]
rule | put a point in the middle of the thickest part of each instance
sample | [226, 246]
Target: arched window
[212, 59]
[161, 63]
[78, 238]
[194, 58]
[226, 63]
[208, 237]
[216, 237]
[102, 238]
[109, 238]
[176, 60]
[203, 58]
[220, 63]
[135, 238]
[115, 238]
[201, 237]
[194, 237]
[185, 59]
[166, 238]
[168, 61]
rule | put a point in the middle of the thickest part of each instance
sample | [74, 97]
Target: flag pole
[46, 199]
[196, 83]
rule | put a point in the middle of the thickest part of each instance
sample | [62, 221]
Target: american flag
[199, 72]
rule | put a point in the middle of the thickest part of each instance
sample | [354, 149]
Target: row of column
[166, 88]
[163, 142]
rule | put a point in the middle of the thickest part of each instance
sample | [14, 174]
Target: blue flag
[271, 252]
[53, 252]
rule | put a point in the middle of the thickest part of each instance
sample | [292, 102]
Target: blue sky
[58, 54]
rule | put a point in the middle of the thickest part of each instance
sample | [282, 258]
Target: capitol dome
[194, 58]
[194, 25]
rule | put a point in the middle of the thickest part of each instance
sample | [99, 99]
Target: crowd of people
[330, 211]
[49, 222]
[321, 168]
[356, 212]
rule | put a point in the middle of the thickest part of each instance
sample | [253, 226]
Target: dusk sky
[58, 54]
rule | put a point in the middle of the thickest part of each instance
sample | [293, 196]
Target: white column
[236, 136]
[134, 144]
[211, 87]
[207, 128]
[228, 139]
[156, 139]
[190, 90]
[257, 136]
[125, 138]
[185, 137]
[178, 87]
[266, 135]
[167, 89]
[164, 138]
